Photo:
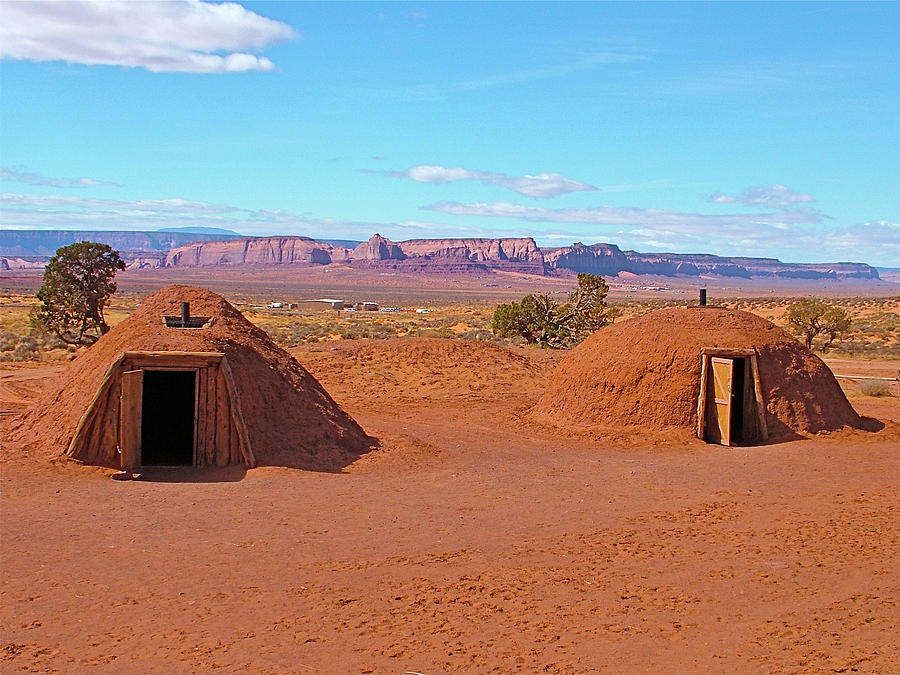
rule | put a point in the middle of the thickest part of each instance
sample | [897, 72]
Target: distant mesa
[451, 255]
[594, 259]
[257, 250]
[200, 230]
[378, 248]
[31, 243]
[20, 264]
[448, 256]
[25, 249]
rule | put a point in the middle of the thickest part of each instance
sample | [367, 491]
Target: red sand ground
[472, 541]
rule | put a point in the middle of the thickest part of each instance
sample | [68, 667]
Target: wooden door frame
[753, 366]
[180, 362]
[159, 360]
[155, 368]
[130, 424]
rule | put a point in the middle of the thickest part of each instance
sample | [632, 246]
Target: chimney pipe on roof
[185, 314]
[703, 297]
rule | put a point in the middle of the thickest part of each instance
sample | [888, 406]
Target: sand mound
[291, 420]
[424, 368]
[645, 372]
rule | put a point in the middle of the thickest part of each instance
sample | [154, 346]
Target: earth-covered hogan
[218, 394]
[677, 368]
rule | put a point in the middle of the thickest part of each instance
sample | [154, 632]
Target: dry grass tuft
[875, 388]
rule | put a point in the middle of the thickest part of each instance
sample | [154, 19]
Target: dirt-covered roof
[291, 420]
[645, 372]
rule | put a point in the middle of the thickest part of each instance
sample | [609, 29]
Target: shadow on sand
[190, 474]
[870, 424]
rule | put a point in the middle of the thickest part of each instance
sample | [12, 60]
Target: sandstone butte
[512, 254]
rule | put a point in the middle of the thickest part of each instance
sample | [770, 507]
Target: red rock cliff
[259, 250]
[378, 248]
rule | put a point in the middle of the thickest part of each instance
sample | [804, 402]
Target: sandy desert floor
[471, 541]
[298, 282]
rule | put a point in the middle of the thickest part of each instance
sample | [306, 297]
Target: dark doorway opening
[737, 400]
[167, 426]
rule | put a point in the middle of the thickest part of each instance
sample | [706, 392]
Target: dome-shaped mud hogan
[215, 394]
[727, 375]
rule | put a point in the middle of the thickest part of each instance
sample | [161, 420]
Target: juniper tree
[540, 319]
[78, 282]
[809, 317]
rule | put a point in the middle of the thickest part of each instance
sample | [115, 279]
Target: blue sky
[763, 129]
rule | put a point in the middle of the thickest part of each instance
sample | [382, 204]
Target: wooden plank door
[130, 416]
[718, 400]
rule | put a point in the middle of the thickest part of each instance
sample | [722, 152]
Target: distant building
[332, 302]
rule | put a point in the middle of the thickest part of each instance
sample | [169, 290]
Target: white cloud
[539, 186]
[768, 196]
[612, 215]
[186, 36]
[792, 235]
[15, 175]
[113, 205]
[797, 234]
[69, 212]
[880, 239]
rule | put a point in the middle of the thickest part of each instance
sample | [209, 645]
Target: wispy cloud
[112, 205]
[768, 196]
[613, 215]
[187, 36]
[437, 91]
[14, 175]
[70, 212]
[539, 186]
[876, 239]
[795, 234]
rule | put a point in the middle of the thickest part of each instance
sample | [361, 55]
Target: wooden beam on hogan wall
[758, 395]
[109, 431]
[727, 353]
[234, 445]
[209, 435]
[202, 413]
[173, 359]
[73, 449]
[223, 421]
[701, 399]
[197, 415]
[236, 415]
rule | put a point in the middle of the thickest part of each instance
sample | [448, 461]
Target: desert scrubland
[473, 538]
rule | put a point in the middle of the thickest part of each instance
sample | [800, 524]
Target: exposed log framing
[238, 418]
[701, 399]
[758, 395]
[220, 432]
[111, 374]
